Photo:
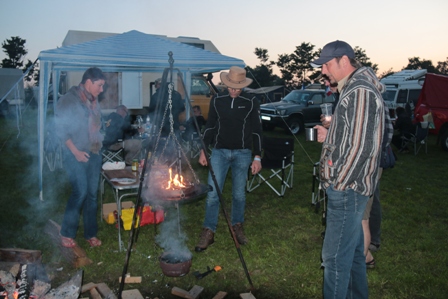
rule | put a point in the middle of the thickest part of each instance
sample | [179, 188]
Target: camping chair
[419, 139]
[278, 157]
[110, 155]
[192, 144]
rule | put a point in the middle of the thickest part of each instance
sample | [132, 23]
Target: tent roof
[137, 51]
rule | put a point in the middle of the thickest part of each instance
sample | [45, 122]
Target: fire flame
[177, 182]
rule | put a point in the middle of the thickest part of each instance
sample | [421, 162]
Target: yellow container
[110, 218]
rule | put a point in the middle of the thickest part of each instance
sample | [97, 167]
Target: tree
[263, 74]
[416, 64]
[361, 56]
[14, 48]
[295, 67]
[442, 67]
[386, 73]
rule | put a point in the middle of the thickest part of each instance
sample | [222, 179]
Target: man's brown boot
[239, 233]
[206, 238]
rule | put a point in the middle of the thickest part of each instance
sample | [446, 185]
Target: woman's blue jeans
[221, 160]
[84, 179]
[343, 249]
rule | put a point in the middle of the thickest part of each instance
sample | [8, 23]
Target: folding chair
[192, 144]
[419, 139]
[110, 155]
[278, 157]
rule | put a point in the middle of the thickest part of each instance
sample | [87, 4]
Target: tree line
[296, 71]
[295, 68]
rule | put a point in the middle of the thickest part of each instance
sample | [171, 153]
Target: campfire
[176, 183]
[164, 185]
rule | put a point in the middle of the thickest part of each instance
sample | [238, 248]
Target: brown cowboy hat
[235, 78]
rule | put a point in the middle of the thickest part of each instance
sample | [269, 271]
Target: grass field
[283, 254]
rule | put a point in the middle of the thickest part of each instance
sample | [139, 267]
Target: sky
[389, 31]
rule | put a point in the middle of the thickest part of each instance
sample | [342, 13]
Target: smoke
[171, 237]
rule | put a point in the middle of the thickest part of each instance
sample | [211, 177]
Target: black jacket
[234, 123]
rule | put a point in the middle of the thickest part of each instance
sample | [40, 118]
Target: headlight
[281, 112]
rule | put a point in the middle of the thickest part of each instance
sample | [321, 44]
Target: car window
[317, 99]
[390, 95]
[402, 96]
[292, 97]
[329, 99]
[413, 95]
[199, 87]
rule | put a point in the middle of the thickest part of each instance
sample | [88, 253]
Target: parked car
[297, 110]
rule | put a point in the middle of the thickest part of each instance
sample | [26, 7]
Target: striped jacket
[351, 152]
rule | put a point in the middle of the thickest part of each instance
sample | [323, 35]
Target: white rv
[403, 89]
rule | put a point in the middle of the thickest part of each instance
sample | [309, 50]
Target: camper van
[403, 89]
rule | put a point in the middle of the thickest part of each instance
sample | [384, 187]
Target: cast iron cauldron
[174, 264]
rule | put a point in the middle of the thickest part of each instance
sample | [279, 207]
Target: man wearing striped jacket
[349, 168]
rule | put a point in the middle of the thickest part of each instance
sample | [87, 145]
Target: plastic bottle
[148, 124]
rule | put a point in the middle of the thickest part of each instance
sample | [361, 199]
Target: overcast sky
[390, 31]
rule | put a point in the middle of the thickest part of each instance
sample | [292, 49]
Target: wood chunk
[247, 296]
[22, 256]
[105, 291]
[68, 290]
[195, 291]
[40, 288]
[131, 294]
[94, 294]
[11, 267]
[76, 255]
[87, 287]
[180, 293]
[192, 294]
[131, 279]
[220, 295]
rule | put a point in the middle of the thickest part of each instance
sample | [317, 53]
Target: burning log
[22, 256]
[76, 255]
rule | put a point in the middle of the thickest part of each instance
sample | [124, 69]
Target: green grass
[283, 255]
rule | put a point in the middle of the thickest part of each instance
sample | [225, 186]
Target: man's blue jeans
[221, 160]
[343, 249]
[84, 179]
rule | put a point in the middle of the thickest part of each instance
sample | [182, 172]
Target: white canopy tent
[131, 51]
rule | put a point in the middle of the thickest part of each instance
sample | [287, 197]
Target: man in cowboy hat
[349, 167]
[233, 130]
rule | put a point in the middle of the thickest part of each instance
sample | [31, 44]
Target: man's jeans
[221, 160]
[375, 217]
[343, 248]
[84, 179]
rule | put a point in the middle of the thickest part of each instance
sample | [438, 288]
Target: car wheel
[268, 127]
[295, 126]
[445, 140]
[4, 108]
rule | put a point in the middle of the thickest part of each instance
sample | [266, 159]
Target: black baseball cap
[334, 49]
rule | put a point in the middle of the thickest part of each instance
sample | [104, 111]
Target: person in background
[119, 132]
[403, 123]
[78, 123]
[177, 107]
[349, 168]
[190, 127]
[234, 130]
